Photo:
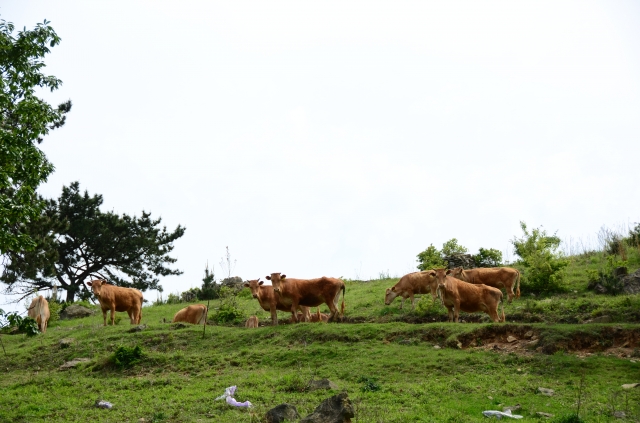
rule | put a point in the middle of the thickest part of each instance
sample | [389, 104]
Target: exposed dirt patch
[523, 339]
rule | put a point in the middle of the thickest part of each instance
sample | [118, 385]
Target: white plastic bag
[228, 396]
[500, 414]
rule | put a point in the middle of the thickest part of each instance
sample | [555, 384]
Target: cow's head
[276, 280]
[96, 286]
[441, 276]
[456, 272]
[254, 286]
[390, 295]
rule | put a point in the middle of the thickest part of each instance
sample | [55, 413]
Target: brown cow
[252, 322]
[458, 295]
[309, 293]
[115, 298]
[497, 277]
[270, 301]
[196, 314]
[39, 311]
[410, 285]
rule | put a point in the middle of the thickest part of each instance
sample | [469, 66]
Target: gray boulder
[75, 311]
[337, 409]
[281, 413]
[631, 283]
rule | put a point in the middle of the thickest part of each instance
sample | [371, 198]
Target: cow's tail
[518, 284]
[342, 307]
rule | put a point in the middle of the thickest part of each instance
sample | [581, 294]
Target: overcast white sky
[342, 138]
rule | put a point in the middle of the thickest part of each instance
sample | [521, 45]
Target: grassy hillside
[365, 301]
[397, 365]
[393, 372]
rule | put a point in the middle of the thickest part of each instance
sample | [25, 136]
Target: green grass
[384, 357]
[180, 374]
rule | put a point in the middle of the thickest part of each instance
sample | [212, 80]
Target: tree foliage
[430, 258]
[24, 120]
[488, 257]
[544, 265]
[77, 241]
[209, 290]
[452, 247]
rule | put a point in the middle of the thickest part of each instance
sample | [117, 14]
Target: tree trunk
[71, 293]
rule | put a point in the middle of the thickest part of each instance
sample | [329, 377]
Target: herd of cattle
[474, 290]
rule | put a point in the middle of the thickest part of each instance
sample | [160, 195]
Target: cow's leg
[333, 308]
[113, 316]
[306, 314]
[274, 316]
[450, 313]
[456, 311]
[493, 313]
[132, 316]
[510, 293]
[104, 316]
[413, 301]
[294, 312]
[401, 302]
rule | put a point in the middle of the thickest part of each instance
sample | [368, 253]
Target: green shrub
[452, 247]
[544, 265]
[606, 276]
[228, 311]
[209, 290]
[191, 295]
[430, 258]
[245, 293]
[488, 257]
[427, 307]
[634, 236]
[569, 418]
[13, 321]
[125, 357]
[173, 299]
[55, 308]
[369, 384]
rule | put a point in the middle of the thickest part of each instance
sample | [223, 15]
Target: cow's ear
[283, 277]
[89, 283]
[432, 272]
[393, 289]
[247, 285]
[260, 283]
[268, 278]
[448, 272]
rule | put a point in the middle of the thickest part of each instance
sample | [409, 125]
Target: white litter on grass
[500, 414]
[103, 404]
[228, 396]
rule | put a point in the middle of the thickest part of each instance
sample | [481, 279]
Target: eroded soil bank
[527, 339]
